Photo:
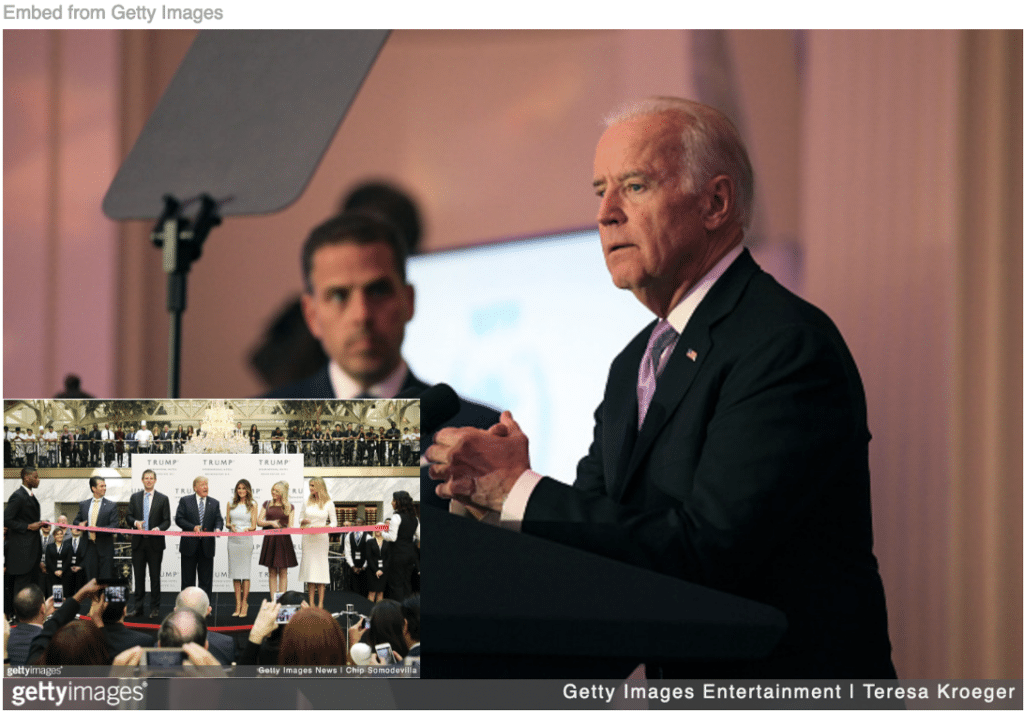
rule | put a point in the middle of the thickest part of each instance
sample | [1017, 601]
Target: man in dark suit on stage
[355, 557]
[75, 578]
[24, 549]
[731, 446]
[148, 510]
[198, 513]
[356, 304]
[98, 512]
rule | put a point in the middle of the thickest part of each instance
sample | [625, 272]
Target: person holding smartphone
[387, 627]
[264, 643]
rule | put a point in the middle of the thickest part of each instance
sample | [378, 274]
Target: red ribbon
[260, 532]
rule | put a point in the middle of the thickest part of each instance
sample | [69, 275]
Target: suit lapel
[322, 387]
[411, 381]
[694, 347]
[620, 412]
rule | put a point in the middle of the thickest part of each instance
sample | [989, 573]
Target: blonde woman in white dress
[318, 512]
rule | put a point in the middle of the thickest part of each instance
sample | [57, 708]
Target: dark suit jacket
[25, 547]
[20, 642]
[750, 475]
[222, 646]
[52, 555]
[159, 517]
[61, 616]
[120, 638]
[77, 559]
[187, 518]
[107, 518]
[375, 555]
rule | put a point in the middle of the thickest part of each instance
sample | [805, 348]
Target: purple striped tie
[662, 339]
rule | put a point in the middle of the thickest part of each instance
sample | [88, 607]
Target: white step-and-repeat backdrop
[175, 474]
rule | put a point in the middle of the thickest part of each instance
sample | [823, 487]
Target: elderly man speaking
[731, 448]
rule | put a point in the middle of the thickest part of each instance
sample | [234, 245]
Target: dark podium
[497, 604]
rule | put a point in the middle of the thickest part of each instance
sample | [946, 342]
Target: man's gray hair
[194, 599]
[711, 145]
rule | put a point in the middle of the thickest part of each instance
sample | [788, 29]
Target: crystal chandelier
[217, 434]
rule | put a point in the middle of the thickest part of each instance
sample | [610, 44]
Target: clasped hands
[479, 467]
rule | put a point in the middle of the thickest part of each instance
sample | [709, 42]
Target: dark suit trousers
[357, 581]
[191, 565]
[34, 576]
[99, 561]
[146, 553]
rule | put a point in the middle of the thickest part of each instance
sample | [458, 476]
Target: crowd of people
[88, 629]
[385, 561]
[107, 443]
[353, 445]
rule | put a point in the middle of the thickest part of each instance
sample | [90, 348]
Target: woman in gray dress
[241, 516]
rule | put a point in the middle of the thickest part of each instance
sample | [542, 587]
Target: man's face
[651, 231]
[201, 487]
[99, 490]
[31, 480]
[148, 481]
[359, 308]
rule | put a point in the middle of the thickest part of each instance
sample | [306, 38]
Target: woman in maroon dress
[278, 554]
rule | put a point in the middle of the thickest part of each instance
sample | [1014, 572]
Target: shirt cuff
[514, 509]
[511, 515]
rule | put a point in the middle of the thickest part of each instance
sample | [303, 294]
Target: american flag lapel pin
[691, 354]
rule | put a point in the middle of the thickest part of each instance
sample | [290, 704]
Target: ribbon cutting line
[151, 626]
[203, 534]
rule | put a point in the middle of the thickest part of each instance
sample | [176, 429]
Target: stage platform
[223, 604]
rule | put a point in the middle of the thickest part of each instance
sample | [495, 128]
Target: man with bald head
[196, 600]
[181, 627]
[731, 446]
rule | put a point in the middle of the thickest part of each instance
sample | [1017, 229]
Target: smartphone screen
[116, 593]
[163, 656]
[58, 595]
[285, 613]
[384, 653]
